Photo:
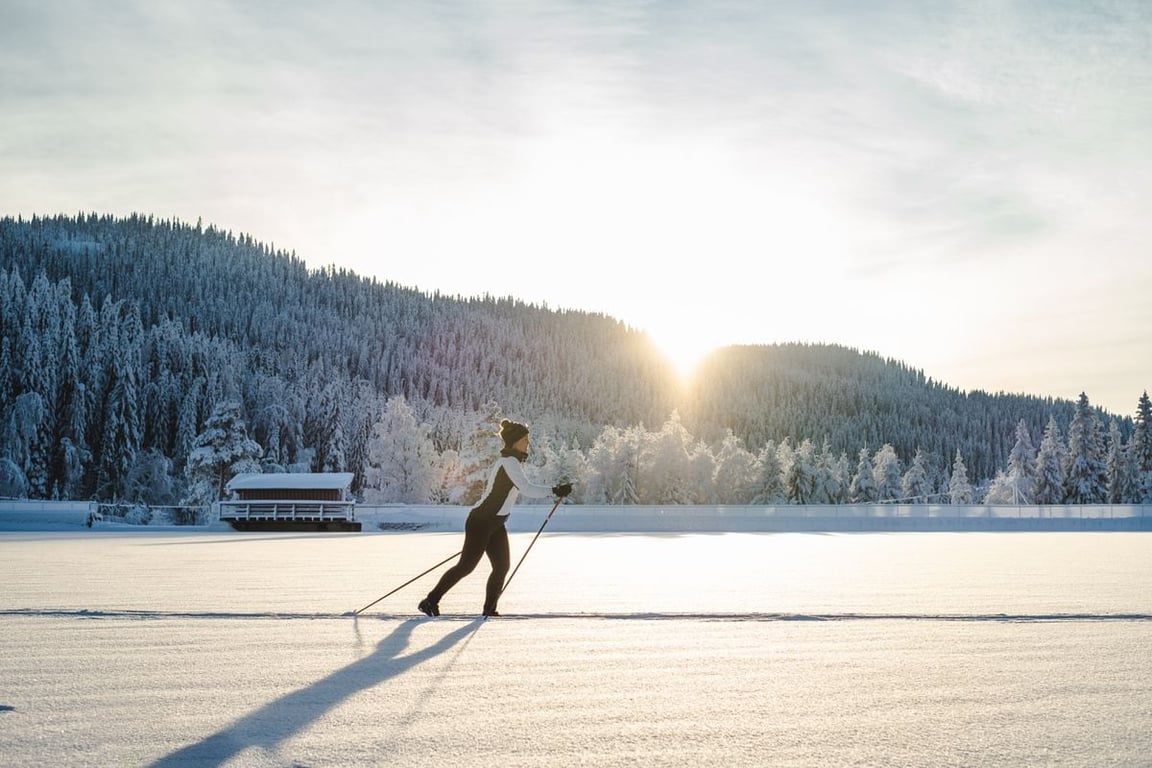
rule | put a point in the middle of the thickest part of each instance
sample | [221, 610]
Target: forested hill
[856, 400]
[122, 336]
[334, 325]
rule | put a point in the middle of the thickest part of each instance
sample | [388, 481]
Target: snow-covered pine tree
[831, 482]
[445, 481]
[7, 370]
[735, 477]
[886, 473]
[150, 481]
[400, 462]
[800, 474]
[863, 487]
[1086, 481]
[1050, 466]
[37, 345]
[122, 428]
[1021, 473]
[13, 484]
[191, 416]
[1142, 450]
[11, 314]
[914, 485]
[768, 488]
[328, 433]
[275, 430]
[89, 339]
[35, 377]
[22, 436]
[365, 409]
[959, 489]
[69, 469]
[1117, 469]
[701, 471]
[69, 446]
[219, 453]
[664, 468]
[603, 467]
[632, 447]
[785, 458]
[567, 464]
[843, 472]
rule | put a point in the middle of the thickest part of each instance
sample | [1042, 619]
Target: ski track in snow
[154, 615]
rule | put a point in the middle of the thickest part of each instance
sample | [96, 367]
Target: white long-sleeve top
[506, 482]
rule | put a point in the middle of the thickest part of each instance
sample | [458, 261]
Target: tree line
[128, 345]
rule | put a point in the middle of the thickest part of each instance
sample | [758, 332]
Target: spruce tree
[1142, 450]
[400, 461]
[219, 453]
[631, 449]
[959, 489]
[800, 474]
[21, 440]
[568, 465]
[1087, 480]
[863, 487]
[768, 488]
[13, 484]
[1117, 469]
[1021, 475]
[664, 468]
[886, 473]
[603, 467]
[327, 432]
[914, 484]
[735, 472]
[1051, 461]
[831, 476]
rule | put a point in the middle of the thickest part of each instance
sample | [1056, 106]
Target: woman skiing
[484, 531]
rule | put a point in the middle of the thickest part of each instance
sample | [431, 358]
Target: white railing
[309, 511]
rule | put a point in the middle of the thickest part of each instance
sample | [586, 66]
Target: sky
[963, 186]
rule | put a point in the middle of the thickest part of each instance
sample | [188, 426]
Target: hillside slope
[120, 336]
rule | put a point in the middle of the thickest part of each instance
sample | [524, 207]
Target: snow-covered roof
[288, 480]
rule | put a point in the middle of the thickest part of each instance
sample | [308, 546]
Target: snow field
[232, 650]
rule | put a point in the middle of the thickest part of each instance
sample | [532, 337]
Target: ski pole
[357, 613]
[546, 519]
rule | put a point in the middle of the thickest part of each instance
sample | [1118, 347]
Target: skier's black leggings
[483, 534]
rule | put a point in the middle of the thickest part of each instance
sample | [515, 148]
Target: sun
[683, 348]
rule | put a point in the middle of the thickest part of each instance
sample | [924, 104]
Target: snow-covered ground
[213, 648]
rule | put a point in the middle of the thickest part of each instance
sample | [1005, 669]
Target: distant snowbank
[43, 515]
[856, 517]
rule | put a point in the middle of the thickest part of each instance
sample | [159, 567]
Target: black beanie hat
[511, 431]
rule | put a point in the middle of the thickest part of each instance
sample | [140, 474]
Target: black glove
[562, 490]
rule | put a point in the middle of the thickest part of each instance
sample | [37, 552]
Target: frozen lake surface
[193, 648]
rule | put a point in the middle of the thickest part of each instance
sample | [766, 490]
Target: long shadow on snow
[283, 718]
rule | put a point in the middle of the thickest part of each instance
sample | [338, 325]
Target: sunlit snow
[177, 648]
